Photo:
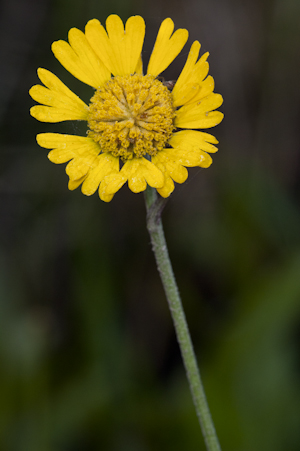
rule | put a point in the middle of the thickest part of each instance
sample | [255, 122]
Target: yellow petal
[173, 168]
[193, 73]
[105, 197]
[82, 152]
[178, 172]
[186, 94]
[80, 59]
[204, 120]
[206, 160]
[136, 180]
[80, 166]
[139, 67]
[73, 184]
[119, 50]
[166, 47]
[56, 140]
[67, 146]
[200, 69]
[48, 97]
[106, 164]
[184, 77]
[139, 172]
[50, 114]
[209, 103]
[168, 187]
[57, 87]
[189, 158]
[128, 45]
[192, 139]
[189, 148]
[198, 115]
[206, 88]
[112, 183]
[61, 103]
[59, 156]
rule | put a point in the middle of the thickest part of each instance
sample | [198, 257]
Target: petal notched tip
[166, 47]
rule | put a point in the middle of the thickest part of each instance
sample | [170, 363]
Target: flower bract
[140, 129]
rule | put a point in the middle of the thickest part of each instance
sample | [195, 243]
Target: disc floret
[131, 116]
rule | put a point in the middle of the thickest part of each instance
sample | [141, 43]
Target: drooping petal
[119, 49]
[171, 169]
[168, 186]
[200, 114]
[166, 47]
[59, 103]
[106, 165]
[110, 185]
[103, 196]
[80, 166]
[73, 184]
[138, 172]
[82, 152]
[80, 59]
[172, 162]
[178, 172]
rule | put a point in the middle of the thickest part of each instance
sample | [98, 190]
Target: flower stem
[154, 205]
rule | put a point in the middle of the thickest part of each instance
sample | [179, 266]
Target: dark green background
[88, 356]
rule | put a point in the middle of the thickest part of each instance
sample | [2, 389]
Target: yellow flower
[136, 123]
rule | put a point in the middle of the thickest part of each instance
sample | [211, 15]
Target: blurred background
[88, 355]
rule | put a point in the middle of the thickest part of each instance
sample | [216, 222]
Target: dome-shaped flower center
[131, 116]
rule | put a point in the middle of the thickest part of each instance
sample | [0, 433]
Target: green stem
[154, 205]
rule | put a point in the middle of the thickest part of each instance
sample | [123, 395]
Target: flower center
[131, 116]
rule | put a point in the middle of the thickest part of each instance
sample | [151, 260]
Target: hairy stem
[154, 205]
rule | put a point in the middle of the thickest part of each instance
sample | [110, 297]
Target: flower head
[140, 130]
